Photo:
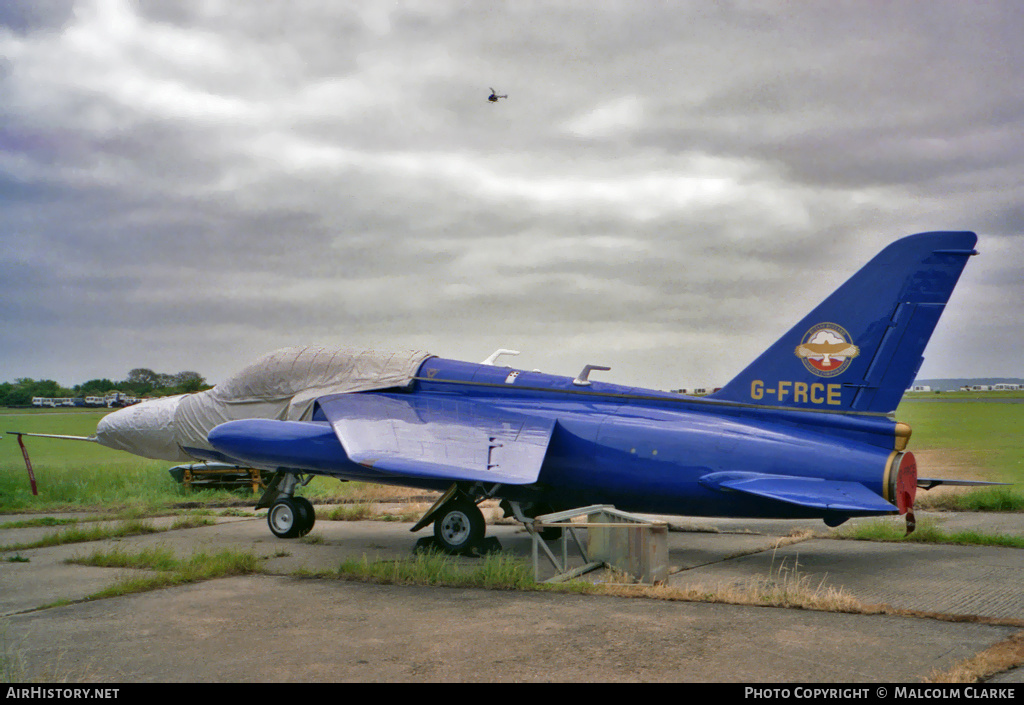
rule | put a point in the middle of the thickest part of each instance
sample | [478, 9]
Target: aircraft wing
[831, 495]
[433, 437]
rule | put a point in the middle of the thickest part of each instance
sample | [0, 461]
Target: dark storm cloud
[35, 16]
[669, 183]
[855, 96]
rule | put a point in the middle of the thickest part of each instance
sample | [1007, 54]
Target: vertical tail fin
[861, 348]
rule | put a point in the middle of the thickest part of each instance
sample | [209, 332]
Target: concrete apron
[206, 631]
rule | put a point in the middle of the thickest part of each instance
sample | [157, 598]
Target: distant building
[1006, 387]
[921, 388]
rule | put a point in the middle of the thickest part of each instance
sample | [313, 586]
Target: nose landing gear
[289, 516]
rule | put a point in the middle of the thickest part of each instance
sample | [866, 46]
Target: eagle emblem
[827, 350]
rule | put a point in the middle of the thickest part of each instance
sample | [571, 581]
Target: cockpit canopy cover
[285, 383]
[281, 385]
[303, 374]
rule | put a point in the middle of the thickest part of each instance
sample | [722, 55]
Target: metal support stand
[218, 475]
[615, 539]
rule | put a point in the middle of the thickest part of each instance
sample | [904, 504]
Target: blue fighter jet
[805, 431]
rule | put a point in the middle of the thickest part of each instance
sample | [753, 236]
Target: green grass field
[77, 475]
[991, 433]
[80, 475]
[985, 434]
[73, 473]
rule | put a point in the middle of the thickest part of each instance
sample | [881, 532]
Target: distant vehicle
[54, 402]
[116, 400]
[493, 97]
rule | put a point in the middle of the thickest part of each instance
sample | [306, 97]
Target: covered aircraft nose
[145, 429]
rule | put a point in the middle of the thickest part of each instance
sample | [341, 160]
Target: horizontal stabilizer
[829, 495]
[439, 437]
[926, 483]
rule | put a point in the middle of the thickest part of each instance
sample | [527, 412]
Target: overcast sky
[669, 186]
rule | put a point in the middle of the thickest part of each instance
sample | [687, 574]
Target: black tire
[459, 526]
[307, 514]
[285, 518]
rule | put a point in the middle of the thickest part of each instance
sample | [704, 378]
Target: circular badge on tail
[827, 350]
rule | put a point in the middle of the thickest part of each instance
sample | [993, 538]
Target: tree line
[141, 382]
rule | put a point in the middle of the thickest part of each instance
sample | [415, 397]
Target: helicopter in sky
[493, 97]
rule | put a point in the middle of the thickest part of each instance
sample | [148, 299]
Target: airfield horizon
[974, 438]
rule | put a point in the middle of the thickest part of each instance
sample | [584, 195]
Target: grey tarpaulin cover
[280, 385]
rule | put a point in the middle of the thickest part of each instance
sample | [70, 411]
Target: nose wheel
[291, 517]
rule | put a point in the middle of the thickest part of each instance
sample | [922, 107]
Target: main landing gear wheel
[291, 517]
[459, 527]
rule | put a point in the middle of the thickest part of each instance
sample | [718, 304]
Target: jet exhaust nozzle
[902, 486]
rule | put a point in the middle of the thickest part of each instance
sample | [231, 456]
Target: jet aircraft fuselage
[805, 430]
[639, 449]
